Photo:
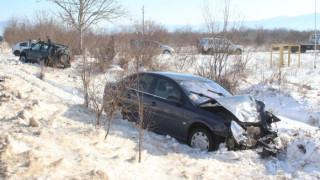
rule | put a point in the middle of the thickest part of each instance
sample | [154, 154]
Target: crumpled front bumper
[253, 136]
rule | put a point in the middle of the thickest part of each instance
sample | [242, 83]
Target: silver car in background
[218, 45]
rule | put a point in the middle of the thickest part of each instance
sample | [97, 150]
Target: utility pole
[315, 35]
[143, 21]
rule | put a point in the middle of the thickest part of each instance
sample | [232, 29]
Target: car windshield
[203, 41]
[199, 91]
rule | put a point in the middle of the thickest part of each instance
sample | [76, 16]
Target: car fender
[215, 124]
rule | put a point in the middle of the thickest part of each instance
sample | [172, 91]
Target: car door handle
[153, 104]
[128, 96]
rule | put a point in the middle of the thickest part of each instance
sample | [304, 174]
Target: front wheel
[202, 139]
[23, 58]
[166, 52]
[238, 52]
[16, 53]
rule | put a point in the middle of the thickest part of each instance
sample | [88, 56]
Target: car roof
[178, 76]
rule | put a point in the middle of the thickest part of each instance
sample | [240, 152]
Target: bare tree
[111, 101]
[84, 70]
[82, 14]
[220, 47]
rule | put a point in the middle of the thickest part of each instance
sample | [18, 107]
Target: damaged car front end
[249, 123]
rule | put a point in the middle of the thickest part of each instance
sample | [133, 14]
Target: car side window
[36, 47]
[44, 48]
[50, 48]
[144, 84]
[24, 44]
[165, 88]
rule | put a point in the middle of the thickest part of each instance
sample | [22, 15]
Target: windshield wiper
[220, 94]
[203, 95]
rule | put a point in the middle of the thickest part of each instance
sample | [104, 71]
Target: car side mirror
[173, 99]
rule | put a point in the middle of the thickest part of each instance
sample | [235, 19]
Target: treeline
[43, 25]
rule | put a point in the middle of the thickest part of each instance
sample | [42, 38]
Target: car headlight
[238, 132]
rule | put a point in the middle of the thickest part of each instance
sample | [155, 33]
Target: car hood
[244, 107]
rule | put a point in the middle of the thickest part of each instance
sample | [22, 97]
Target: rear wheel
[64, 59]
[202, 139]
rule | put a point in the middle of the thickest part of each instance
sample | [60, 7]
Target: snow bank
[66, 145]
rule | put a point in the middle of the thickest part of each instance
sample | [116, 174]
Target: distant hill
[300, 23]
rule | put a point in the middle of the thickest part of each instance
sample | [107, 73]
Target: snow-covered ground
[46, 133]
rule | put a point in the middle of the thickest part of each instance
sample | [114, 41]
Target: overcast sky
[178, 12]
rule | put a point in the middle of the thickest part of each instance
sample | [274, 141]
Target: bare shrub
[185, 40]
[41, 73]
[100, 52]
[278, 77]
[235, 74]
[111, 101]
[182, 62]
[84, 70]
[95, 100]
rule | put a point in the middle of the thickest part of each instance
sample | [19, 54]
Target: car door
[33, 53]
[43, 51]
[168, 116]
[137, 96]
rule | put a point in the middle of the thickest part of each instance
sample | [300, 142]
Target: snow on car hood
[244, 107]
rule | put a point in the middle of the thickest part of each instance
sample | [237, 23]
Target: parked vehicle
[194, 110]
[16, 49]
[50, 54]
[218, 45]
[152, 46]
[312, 44]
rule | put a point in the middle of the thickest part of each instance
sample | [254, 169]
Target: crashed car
[194, 110]
[50, 54]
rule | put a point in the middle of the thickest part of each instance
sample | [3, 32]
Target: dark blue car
[193, 109]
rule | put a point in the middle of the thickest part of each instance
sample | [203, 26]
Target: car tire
[17, 53]
[166, 52]
[126, 114]
[202, 139]
[210, 51]
[238, 52]
[64, 59]
[23, 58]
